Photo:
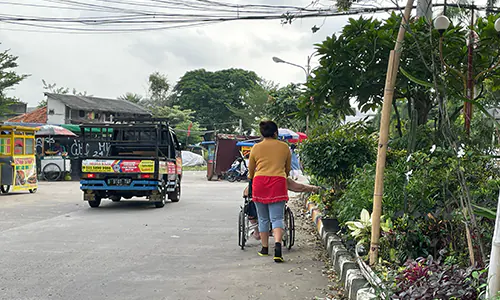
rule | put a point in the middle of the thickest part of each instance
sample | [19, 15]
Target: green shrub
[333, 157]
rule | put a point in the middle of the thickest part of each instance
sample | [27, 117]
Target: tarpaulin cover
[190, 159]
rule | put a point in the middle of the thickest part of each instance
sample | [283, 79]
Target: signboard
[178, 162]
[118, 166]
[245, 150]
[24, 173]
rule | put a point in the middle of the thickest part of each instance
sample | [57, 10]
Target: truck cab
[144, 160]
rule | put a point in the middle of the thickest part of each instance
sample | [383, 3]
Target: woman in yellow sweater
[268, 168]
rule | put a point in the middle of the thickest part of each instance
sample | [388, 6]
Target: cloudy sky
[109, 65]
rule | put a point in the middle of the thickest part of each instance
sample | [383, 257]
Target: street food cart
[222, 152]
[17, 159]
[55, 162]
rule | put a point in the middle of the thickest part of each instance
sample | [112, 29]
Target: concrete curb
[356, 285]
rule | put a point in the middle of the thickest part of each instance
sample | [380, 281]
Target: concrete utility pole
[494, 269]
[241, 126]
[424, 9]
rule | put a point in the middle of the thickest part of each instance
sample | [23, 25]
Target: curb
[356, 285]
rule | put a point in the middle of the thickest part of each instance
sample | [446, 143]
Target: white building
[70, 109]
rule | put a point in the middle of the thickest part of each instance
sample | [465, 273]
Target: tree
[54, 89]
[8, 79]
[283, 105]
[181, 120]
[353, 65]
[211, 94]
[159, 91]
[131, 97]
[254, 105]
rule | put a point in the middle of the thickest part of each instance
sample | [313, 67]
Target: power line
[132, 20]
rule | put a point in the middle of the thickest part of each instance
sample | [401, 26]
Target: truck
[142, 159]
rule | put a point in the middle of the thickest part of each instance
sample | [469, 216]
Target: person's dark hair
[293, 146]
[268, 128]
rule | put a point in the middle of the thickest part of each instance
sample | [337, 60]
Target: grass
[195, 168]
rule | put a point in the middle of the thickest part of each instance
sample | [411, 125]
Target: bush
[334, 156]
[428, 279]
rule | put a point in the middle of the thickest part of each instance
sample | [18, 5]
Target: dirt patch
[307, 234]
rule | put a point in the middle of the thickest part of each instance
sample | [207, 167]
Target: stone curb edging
[344, 264]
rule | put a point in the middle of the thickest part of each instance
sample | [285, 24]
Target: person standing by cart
[268, 168]
[296, 169]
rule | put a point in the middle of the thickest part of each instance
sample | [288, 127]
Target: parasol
[302, 136]
[51, 130]
[287, 134]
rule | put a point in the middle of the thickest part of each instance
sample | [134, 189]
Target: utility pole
[424, 9]
[241, 127]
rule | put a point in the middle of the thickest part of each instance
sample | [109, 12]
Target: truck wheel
[176, 195]
[160, 204]
[115, 198]
[4, 189]
[96, 202]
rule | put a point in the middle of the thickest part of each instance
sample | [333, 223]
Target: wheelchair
[245, 228]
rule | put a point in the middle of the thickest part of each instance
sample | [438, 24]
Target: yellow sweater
[269, 158]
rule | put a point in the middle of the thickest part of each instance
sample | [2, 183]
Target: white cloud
[108, 65]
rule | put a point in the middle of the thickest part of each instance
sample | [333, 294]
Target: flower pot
[330, 225]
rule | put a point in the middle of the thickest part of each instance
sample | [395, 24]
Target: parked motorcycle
[238, 170]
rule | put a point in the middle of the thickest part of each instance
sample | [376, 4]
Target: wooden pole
[390, 82]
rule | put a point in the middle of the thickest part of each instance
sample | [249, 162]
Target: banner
[189, 129]
[118, 166]
[24, 173]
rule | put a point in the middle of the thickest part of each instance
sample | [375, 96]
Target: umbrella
[287, 134]
[50, 130]
[302, 136]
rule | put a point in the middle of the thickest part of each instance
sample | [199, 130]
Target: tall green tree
[8, 79]
[283, 105]
[353, 65]
[212, 95]
[182, 121]
[254, 105]
[159, 91]
[131, 97]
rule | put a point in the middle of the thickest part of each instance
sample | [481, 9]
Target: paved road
[53, 246]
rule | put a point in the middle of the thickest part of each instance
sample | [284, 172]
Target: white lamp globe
[497, 25]
[442, 23]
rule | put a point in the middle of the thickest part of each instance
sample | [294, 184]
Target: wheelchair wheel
[242, 236]
[289, 234]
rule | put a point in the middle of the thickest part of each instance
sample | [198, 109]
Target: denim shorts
[270, 213]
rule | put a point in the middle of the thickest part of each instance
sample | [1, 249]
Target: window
[19, 146]
[30, 146]
[81, 114]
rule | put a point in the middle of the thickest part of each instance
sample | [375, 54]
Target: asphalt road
[54, 246]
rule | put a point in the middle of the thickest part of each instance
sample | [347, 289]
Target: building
[37, 116]
[15, 109]
[71, 109]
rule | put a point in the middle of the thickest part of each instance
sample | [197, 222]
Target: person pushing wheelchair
[268, 170]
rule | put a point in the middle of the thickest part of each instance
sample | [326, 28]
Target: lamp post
[442, 23]
[307, 70]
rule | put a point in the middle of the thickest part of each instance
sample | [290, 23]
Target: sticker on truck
[118, 166]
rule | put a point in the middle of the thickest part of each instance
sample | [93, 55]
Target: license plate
[119, 181]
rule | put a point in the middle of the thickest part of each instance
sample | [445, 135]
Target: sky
[110, 65]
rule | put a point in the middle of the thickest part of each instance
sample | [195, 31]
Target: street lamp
[307, 70]
[442, 23]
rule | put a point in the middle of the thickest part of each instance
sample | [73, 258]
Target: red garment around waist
[269, 189]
